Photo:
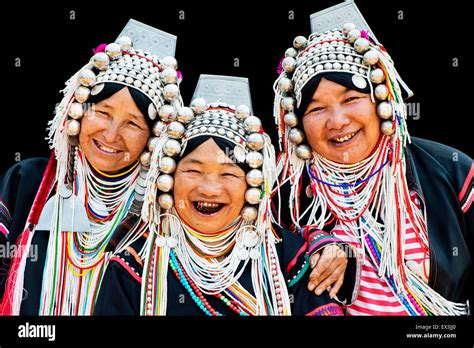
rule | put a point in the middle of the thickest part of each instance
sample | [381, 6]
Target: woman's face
[341, 124]
[113, 132]
[210, 189]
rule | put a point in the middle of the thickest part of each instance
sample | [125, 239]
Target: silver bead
[152, 143]
[170, 92]
[249, 213]
[198, 106]
[371, 57]
[377, 76]
[87, 77]
[254, 177]
[304, 152]
[82, 94]
[113, 50]
[169, 62]
[254, 159]
[381, 92]
[73, 127]
[124, 42]
[288, 103]
[291, 52]
[242, 112]
[145, 158]
[290, 119]
[384, 110]
[175, 130]
[252, 195]
[387, 128]
[165, 183]
[167, 165]
[100, 60]
[185, 115]
[347, 28]
[361, 45]
[255, 141]
[169, 75]
[167, 113]
[158, 128]
[76, 111]
[172, 148]
[300, 42]
[353, 35]
[296, 136]
[285, 85]
[289, 64]
[252, 124]
[166, 201]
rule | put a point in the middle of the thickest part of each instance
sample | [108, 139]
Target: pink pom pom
[280, 66]
[100, 48]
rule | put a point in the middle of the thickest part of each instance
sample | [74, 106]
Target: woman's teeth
[346, 138]
[207, 208]
[105, 148]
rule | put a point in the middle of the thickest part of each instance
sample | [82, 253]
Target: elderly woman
[209, 247]
[64, 211]
[403, 204]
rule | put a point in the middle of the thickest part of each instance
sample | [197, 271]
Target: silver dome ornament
[82, 94]
[255, 141]
[169, 75]
[145, 158]
[361, 45]
[73, 127]
[172, 148]
[377, 76]
[381, 92]
[97, 89]
[285, 85]
[113, 50]
[167, 165]
[371, 57]
[185, 115]
[288, 104]
[76, 111]
[169, 62]
[252, 195]
[384, 110]
[152, 143]
[289, 64]
[254, 177]
[158, 128]
[387, 128]
[199, 106]
[252, 124]
[304, 152]
[291, 52]
[290, 119]
[296, 136]
[100, 60]
[170, 92]
[353, 35]
[300, 42]
[166, 201]
[124, 42]
[152, 111]
[347, 28]
[87, 77]
[254, 159]
[242, 112]
[167, 113]
[175, 130]
[249, 213]
[165, 183]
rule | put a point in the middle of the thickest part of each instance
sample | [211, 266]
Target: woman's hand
[328, 267]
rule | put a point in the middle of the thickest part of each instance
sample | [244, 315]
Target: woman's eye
[192, 171]
[351, 99]
[134, 124]
[230, 175]
[317, 109]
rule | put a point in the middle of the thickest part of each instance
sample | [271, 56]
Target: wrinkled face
[209, 190]
[113, 132]
[341, 124]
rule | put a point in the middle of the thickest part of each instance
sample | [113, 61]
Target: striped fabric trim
[466, 196]
[330, 309]
[127, 267]
[5, 219]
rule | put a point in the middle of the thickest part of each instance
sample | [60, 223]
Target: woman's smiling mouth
[344, 140]
[105, 149]
[207, 208]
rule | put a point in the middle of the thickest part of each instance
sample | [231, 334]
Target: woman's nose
[337, 119]
[210, 186]
[111, 132]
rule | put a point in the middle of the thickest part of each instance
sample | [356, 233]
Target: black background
[52, 47]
